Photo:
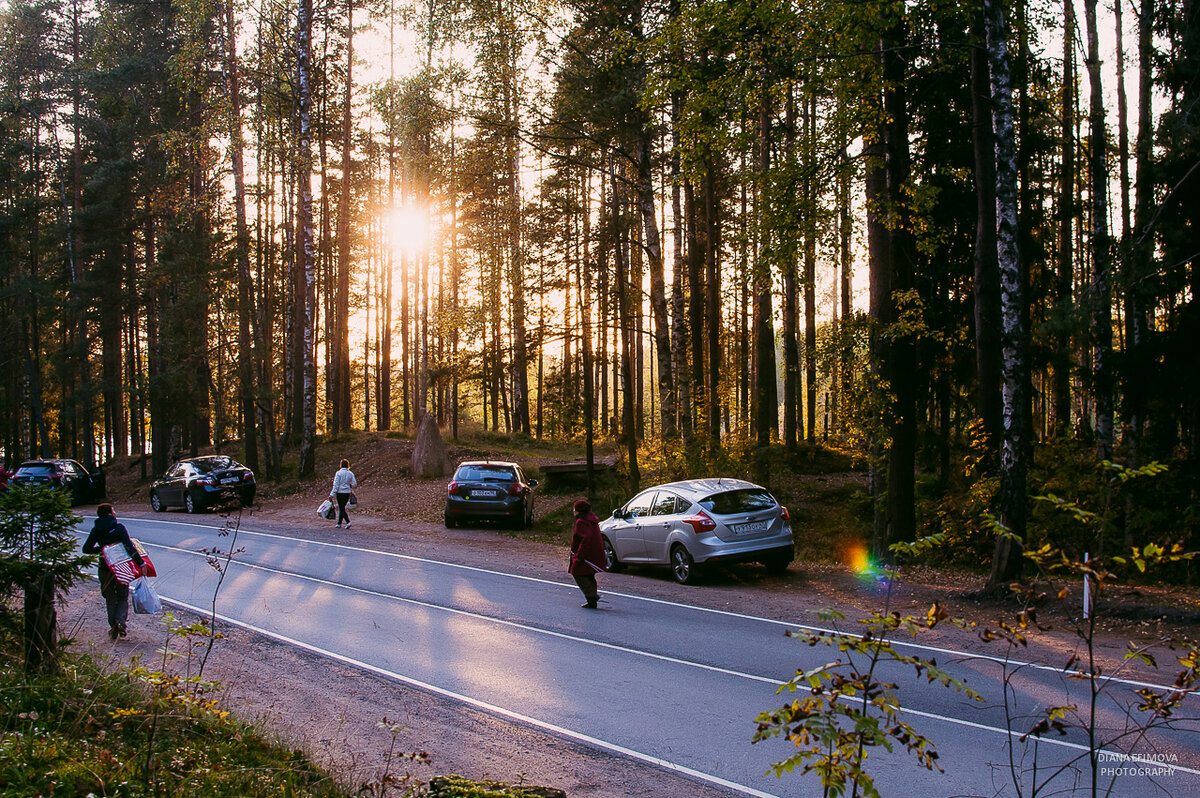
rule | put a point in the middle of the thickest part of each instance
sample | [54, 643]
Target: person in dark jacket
[587, 552]
[106, 531]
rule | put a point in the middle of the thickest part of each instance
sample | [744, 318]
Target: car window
[485, 474]
[37, 469]
[72, 468]
[747, 500]
[640, 505]
[665, 504]
[211, 464]
[176, 470]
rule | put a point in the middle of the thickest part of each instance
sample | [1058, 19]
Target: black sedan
[201, 482]
[85, 486]
[489, 490]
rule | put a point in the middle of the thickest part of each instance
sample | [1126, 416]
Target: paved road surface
[665, 683]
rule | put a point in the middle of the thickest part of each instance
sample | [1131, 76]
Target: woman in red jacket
[587, 552]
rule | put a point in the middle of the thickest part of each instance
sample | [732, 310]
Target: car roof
[696, 489]
[49, 460]
[477, 463]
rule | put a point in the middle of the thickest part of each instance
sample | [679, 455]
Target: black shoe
[113, 633]
[121, 632]
[591, 605]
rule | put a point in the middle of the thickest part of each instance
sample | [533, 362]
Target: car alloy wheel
[155, 502]
[611, 562]
[682, 566]
[190, 503]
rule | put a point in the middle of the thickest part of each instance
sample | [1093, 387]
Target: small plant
[39, 555]
[1146, 709]
[846, 709]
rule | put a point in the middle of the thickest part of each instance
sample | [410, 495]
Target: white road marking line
[961, 655]
[491, 708]
[611, 646]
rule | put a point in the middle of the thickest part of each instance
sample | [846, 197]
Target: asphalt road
[668, 684]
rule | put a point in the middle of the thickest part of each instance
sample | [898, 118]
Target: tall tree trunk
[1139, 364]
[340, 400]
[658, 290]
[245, 290]
[810, 270]
[306, 253]
[766, 398]
[627, 325]
[712, 250]
[1011, 504]
[1102, 372]
[791, 300]
[987, 271]
[1065, 279]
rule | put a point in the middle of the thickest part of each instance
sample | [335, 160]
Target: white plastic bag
[326, 509]
[143, 598]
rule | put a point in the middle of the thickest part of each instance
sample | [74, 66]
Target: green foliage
[458, 787]
[845, 710]
[36, 538]
[89, 732]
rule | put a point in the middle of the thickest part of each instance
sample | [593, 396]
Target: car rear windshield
[747, 500]
[210, 464]
[485, 474]
[37, 469]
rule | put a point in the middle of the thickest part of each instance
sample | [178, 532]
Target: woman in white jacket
[343, 483]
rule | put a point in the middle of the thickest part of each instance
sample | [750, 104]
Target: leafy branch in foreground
[846, 709]
[1143, 711]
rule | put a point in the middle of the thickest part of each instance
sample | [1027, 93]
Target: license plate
[749, 528]
[230, 481]
[483, 494]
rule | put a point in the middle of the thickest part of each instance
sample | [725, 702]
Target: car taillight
[205, 481]
[452, 487]
[514, 489]
[700, 522]
[783, 513]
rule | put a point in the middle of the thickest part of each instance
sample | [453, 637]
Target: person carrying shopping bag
[344, 484]
[105, 532]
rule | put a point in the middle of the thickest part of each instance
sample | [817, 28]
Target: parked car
[699, 522]
[487, 490]
[200, 482]
[85, 486]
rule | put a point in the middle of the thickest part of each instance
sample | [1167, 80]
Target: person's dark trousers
[587, 583]
[116, 600]
[342, 498]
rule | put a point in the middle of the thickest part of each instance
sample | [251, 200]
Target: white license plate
[230, 480]
[483, 494]
[749, 528]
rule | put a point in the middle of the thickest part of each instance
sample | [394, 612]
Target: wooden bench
[560, 476]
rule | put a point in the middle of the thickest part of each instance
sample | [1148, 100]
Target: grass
[133, 733]
[88, 731]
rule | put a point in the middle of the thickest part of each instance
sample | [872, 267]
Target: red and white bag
[123, 566]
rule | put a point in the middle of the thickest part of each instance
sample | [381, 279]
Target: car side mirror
[533, 483]
[619, 513]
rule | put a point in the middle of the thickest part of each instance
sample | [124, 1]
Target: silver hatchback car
[699, 522]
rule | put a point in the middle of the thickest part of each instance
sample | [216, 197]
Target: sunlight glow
[409, 229]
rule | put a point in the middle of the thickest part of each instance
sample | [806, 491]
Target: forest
[956, 240]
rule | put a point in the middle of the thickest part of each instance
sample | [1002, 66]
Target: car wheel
[247, 498]
[450, 522]
[611, 563]
[190, 504]
[778, 565]
[683, 568]
[156, 503]
[521, 519]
